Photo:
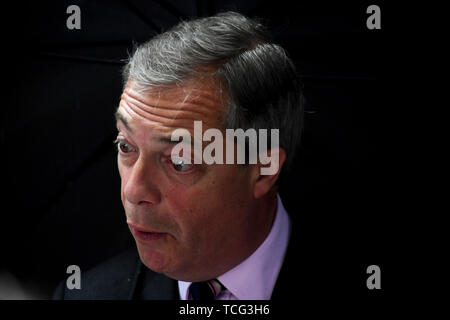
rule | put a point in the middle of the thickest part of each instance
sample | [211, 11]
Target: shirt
[255, 277]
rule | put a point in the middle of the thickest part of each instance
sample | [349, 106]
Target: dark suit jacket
[125, 277]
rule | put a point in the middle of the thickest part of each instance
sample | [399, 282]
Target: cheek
[123, 178]
[189, 208]
[183, 204]
[199, 210]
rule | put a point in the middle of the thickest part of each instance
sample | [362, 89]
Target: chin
[154, 260]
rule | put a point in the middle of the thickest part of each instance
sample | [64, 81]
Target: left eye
[180, 165]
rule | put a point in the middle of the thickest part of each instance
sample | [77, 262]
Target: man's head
[196, 220]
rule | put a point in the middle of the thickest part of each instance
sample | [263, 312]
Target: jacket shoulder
[113, 279]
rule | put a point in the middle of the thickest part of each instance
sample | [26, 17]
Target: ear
[267, 174]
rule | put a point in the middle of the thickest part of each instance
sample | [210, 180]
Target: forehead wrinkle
[186, 123]
[133, 113]
[204, 108]
[159, 119]
[209, 97]
[166, 108]
[150, 112]
[186, 96]
[186, 111]
[181, 104]
[204, 102]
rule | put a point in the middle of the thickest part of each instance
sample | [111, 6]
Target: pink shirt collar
[255, 277]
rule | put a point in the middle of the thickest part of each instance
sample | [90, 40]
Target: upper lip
[141, 228]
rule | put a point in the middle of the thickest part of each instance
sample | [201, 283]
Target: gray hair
[263, 88]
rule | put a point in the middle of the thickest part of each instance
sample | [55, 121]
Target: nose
[140, 187]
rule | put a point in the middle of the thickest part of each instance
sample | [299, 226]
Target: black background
[61, 204]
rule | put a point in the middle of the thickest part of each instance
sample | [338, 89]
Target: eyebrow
[121, 118]
[168, 140]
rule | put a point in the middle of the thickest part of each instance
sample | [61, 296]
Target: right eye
[123, 146]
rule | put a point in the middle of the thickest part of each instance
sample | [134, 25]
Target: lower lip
[147, 236]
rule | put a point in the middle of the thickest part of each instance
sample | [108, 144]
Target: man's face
[196, 220]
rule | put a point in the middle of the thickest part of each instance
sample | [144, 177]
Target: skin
[212, 216]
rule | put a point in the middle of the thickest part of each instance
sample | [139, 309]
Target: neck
[266, 212]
